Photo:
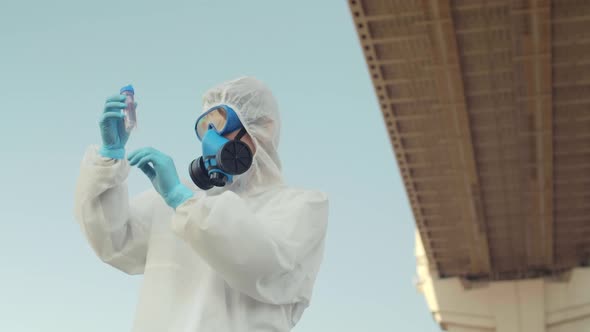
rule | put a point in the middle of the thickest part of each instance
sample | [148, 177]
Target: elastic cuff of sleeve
[178, 195]
[112, 153]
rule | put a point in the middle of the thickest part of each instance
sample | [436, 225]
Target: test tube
[129, 111]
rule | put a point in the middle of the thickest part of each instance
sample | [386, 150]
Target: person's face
[246, 139]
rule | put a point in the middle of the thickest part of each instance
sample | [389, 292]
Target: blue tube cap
[128, 88]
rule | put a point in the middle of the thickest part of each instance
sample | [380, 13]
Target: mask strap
[240, 134]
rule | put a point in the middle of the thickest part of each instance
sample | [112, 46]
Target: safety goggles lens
[216, 117]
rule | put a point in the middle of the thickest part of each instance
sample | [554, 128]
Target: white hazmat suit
[240, 258]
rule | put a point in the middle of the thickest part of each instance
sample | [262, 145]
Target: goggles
[222, 119]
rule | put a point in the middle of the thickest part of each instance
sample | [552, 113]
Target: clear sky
[59, 60]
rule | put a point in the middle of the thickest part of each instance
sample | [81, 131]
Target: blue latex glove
[160, 169]
[112, 128]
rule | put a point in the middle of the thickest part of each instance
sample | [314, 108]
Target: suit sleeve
[116, 228]
[272, 256]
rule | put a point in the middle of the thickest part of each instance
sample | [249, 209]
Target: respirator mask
[222, 158]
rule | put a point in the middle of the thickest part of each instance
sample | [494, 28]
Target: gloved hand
[112, 128]
[162, 173]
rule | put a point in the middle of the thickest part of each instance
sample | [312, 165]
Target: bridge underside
[487, 104]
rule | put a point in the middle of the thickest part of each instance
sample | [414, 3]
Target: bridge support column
[527, 305]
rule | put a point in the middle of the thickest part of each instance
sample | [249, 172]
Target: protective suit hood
[258, 112]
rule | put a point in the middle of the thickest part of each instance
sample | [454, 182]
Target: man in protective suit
[239, 251]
